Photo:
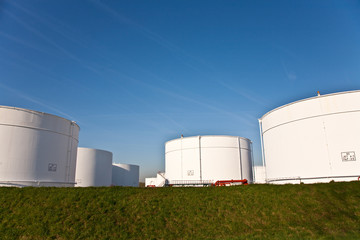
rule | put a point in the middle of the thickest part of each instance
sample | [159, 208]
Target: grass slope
[319, 211]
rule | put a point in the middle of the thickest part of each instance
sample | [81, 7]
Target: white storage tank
[126, 175]
[36, 148]
[208, 159]
[93, 168]
[313, 140]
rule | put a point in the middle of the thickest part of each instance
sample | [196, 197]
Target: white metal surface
[93, 168]
[313, 140]
[125, 175]
[150, 182]
[208, 158]
[159, 181]
[36, 149]
[259, 174]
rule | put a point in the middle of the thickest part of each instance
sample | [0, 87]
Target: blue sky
[135, 74]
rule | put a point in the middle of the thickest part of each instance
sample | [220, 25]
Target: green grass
[319, 211]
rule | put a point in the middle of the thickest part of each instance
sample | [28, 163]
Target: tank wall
[208, 158]
[190, 164]
[220, 163]
[173, 166]
[125, 175]
[182, 159]
[342, 139]
[93, 168]
[306, 140]
[219, 141]
[246, 165]
[36, 149]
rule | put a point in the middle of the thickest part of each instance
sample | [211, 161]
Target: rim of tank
[210, 136]
[95, 149]
[118, 164]
[308, 99]
[34, 111]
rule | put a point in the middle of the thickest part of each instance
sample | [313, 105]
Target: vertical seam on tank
[200, 158]
[181, 158]
[326, 139]
[241, 172]
[252, 163]
[68, 154]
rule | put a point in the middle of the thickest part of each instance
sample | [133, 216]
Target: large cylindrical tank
[93, 168]
[36, 149]
[313, 140]
[125, 175]
[208, 158]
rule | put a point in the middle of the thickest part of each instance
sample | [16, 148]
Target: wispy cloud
[289, 74]
[34, 100]
[161, 114]
[151, 35]
[178, 96]
[20, 62]
[244, 93]
[50, 22]
[22, 42]
[51, 42]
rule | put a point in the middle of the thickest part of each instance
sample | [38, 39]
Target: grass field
[319, 211]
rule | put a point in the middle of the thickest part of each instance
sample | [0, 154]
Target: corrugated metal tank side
[36, 149]
[93, 168]
[307, 141]
[125, 175]
[208, 158]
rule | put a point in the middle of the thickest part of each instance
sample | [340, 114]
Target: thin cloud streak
[51, 42]
[33, 100]
[48, 22]
[153, 36]
[244, 94]
[32, 65]
[290, 75]
[20, 41]
[185, 98]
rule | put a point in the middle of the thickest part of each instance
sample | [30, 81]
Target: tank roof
[307, 99]
[38, 112]
[208, 136]
[119, 164]
[95, 149]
